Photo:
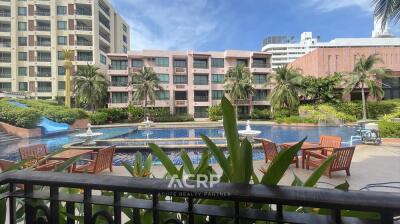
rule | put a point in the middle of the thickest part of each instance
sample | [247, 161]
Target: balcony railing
[42, 13]
[119, 83]
[5, 59]
[5, 75]
[5, 14]
[200, 98]
[5, 89]
[43, 28]
[84, 43]
[5, 29]
[153, 192]
[85, 28]
[200, 114]
[242, 102]
[44, 58]
[43, 74]
[259, 65]
[85, 58]
[43, 43]
[44, 89]
[83, 12]
[5, 44]
[200, 82]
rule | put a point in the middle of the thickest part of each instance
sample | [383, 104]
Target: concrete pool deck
[371, 164]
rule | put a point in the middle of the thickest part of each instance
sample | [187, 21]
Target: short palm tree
[238, 83]
[90, 86]
[68, 57]
[387, 10]
[365, 74]
[145, 83]
[287, 81]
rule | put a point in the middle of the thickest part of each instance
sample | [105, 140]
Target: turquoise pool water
[278, 134]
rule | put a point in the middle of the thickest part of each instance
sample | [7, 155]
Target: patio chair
[271, 151]
[329, 142]
[342, 160]
[103, 160]
[5, 164]
[32, 152]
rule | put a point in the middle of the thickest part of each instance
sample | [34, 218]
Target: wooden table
[70, 153]
[307, 146]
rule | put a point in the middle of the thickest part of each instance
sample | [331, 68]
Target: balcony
[5, 75]
[5, 59]
[135, 69]
[43, 58]
[5, 44]
[242, 102]
[84, 58]
[260, 65]
[5, 29]
[43, 43]
[44, 89]
[84, 43]
[42, 28]
[200, 114]
[181, 103]
[84, 28]
[5, 14]
[180, 70]
[42, 13]
[200, 98]
[83, 12]
[119, 84]
[3, 89]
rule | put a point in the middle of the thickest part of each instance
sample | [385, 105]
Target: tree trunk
[237, 111]
[363, 102]
[145, 107]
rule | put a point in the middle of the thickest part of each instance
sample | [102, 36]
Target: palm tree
[146, 83]
[68, 57]
[365, 74]
[90, 86]
[239, 83]
[387, 10]
[287, 81]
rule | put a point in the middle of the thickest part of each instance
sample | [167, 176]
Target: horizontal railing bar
[307, 197]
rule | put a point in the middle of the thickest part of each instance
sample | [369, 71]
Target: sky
[217, 25]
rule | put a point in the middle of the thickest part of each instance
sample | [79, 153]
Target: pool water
[278, 134]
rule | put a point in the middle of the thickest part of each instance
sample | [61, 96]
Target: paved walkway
[371, 164]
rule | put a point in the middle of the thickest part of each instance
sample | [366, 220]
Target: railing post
[190, 210]
[387, 217]
[70, 210]
[29, 210]
[336, 216]
[117, 207]
[12, 205]
[237, 219]
[155, 209]
[279, 213]
[87, 205]
[54, 205]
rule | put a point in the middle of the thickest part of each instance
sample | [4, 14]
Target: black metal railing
[153, 198]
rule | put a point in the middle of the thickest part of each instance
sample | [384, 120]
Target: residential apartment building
[327, 60]
[191, 81]
[284, 50]
[34, 33]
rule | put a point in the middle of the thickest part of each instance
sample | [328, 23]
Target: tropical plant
[145, 83]
[387, 10]
[238, 83]
[68, 57]
[366, 75]
[139, 169]
[90, 86]
[287, 82]
[321, 89]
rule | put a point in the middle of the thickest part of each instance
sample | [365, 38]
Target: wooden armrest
[88, 160]
[317, 155]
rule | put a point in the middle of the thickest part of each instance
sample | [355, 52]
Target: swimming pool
[276, 133]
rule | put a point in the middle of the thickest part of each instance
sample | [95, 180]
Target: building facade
[191, 81]
[34, 33]
[327, 60]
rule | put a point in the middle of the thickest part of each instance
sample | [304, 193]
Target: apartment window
[217, 62]
[180, 110]
[162, 62]
[180, 95]
[119, 80]
[60, 55]
[22, 86]
[22, 41]
[180, 79]
[22, 56]
[180, 63]
[124, 27]
[62, 25]
[162, 95]
[217, 78]
[119, 97]
[22, 11]
[259, 62]
[242, 62]
[5, 86]
[217, 94]
[103, 59]
[124, 38]
[119, 64]
[125, 49]
[200, 63]
[200, 80]
[136, 63]
[61, 10]
[22, 26]
[164, 78]
[62, 40]
[260, 79]
[61, 70]
[22, 71]
[260, 95]
[61, 85]
[44, 86]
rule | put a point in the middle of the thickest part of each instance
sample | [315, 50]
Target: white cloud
[329, 5]
[166, 24]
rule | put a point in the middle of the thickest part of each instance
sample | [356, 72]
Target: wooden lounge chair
[271, 151]
[6, 164]
[342, 161]
[33, 152]
[103, 160]
[329, 142]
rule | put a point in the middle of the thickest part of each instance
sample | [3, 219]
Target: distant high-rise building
[34, 33]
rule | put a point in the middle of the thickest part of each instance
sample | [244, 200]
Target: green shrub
[261, 114]
[98, 118]
[115, 114]
[284, 112]
[215, 112]
[374, 109]
[20, 117]
[138, 113]
[135, 113]
[174, 118]
[295, 120]
[389, 129]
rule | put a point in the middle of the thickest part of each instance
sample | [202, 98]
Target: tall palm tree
[68, 57]
[90, 86]
[365, 74]
[146, 83]
[239, 83]
[387, 10]
[287, 81]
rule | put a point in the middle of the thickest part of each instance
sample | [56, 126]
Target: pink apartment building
[327, 60]
[191, 81]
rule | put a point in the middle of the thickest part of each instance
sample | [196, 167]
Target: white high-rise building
[284, 50]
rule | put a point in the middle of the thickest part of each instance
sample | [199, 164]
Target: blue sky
[240, 24]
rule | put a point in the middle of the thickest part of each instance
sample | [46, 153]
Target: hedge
[20, 117]
[389, 129]
[261, 114]
[215, 112]
[295, 120]
[98, 118]
[375, 110]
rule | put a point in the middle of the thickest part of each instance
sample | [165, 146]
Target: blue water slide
[48, 126]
